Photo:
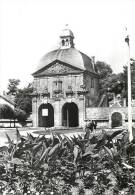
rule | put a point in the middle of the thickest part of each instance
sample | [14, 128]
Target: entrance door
[116, 119]
[70, 115]
[46, 116]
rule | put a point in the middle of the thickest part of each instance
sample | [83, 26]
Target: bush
[62, 165]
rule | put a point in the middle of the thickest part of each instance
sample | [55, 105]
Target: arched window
[57, 86]
[63, 42]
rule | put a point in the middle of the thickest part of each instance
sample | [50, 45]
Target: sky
[31, 28]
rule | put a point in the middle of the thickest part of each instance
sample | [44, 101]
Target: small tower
[67, 38]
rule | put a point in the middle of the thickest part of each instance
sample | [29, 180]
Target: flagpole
[129, 93]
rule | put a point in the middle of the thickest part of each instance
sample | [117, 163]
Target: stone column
[81, 112]
[57, 114]
[34, 113]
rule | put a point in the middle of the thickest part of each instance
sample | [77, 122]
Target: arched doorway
[116, 119]
[70, 115]
[46, 115]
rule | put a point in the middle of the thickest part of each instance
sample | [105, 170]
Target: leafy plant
[98, 164]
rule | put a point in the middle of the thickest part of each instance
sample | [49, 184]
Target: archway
[70, 115]
[46, 115]
[116, 119]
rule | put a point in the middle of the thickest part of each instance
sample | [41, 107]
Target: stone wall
[57, 106]
[103, 115]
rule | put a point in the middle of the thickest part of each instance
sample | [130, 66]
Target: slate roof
[8, 99]
[70, 56]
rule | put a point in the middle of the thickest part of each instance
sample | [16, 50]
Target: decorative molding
[45, 92]
[57, 96]
[69, 92]
[34, 94]
[82, 92]
[58, 68]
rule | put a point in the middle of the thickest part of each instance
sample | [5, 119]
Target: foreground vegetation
[59, 165]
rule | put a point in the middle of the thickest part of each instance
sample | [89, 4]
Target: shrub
[61, 165]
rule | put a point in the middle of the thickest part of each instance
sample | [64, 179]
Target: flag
[127, 40]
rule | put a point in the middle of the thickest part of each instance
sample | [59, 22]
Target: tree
[21, 116]
[6, 112]
[105, 72]
[13, 86]
[110, 84]
[103, 69]
[124, 79]
[23, 99]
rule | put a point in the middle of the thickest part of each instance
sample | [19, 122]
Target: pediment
[57, 67]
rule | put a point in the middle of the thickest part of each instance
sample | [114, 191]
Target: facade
[66, 91]
[65, 84]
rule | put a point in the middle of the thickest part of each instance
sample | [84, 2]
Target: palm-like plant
[86, 161]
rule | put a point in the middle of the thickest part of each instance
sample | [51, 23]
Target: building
[66, 91]
[65, 83]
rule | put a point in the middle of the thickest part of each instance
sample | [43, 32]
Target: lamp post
[129, 92]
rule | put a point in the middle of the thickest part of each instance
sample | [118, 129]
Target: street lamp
[129, 92]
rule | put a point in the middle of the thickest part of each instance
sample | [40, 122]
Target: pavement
[11, 132]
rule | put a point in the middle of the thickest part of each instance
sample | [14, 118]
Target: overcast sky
[31, 28]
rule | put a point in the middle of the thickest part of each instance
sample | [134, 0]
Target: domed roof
[70, 56]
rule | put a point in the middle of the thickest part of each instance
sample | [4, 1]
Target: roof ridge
[8, 100]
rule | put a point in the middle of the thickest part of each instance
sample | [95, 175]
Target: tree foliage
[6, 112]
[104, 70]
[13, 86]
[23, 99]
[20, 115]
[111, 83]
[108, 81]
[22, 96]
[124, 79]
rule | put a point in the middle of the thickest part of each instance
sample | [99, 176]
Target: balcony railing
[82, 92]
[57, 91]
[69, 92]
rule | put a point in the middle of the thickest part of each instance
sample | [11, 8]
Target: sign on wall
[44, 112]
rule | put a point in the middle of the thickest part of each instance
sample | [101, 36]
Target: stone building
[65, 84]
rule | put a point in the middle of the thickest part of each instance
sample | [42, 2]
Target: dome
[67, 33]
[70, 56]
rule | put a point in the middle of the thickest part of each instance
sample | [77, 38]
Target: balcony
[57, 91]
[69, 91]
[83, 90]
[45, 93]
[34, 94]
